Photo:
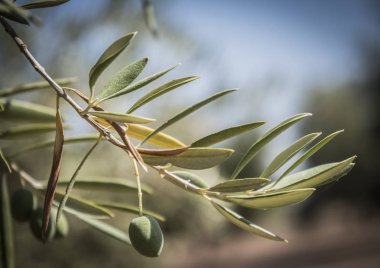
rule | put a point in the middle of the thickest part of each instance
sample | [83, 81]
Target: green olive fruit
[36, 225]
[190, 177]
[23, 203]
[62, 226]
[146, 236]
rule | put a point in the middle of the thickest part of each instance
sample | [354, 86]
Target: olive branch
[258, 192]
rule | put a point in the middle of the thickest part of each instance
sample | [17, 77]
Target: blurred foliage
[353, 106]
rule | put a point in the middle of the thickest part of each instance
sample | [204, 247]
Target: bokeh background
[286, 57]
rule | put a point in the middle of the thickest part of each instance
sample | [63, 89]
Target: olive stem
[139, 191]
[70, 186]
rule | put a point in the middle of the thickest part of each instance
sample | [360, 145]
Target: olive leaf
[49, 143]
[141, 132]
[4, 162]
[149, 17]
[26, 131]
[106, 229]
[13, 12]
[55, 170]
[109, 184]
[7, 244]
[193, 158]
[313, 177]
[238, 185]
[271, 199]
[245, 224]
[107, 58]
[225, 134]
[188, 111]
[283, 157]
[266, 138]
[122, 118]
[143, 82]
[34, 86]
[163, 89]
[121, 80]
[131, 209]
[25, 111]
[44, 3]
[311, 152]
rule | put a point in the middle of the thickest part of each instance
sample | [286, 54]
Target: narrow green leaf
[49, 143]
[143, 82]
[79, 206]
[13, 12]
[313, 177]
[107, 58]
[246, 224]
[238, 185]
[161, 90]
[8, 255]
[283, 157]
[188, 111]
[26, 131]
[193, 158]
[191, 178]
[121, 80]
[141, 132]
[271, 199]
[123, 118]
[55, 170]
[25, 111]
[225, 134]
[4, 162]
[131, 209]
[44, 3]
[268, 136]
[107, 229]
[34, 86]
[108, 184]
[149, 17]
[311, 152]
[160, 139]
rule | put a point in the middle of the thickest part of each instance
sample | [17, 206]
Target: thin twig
[71, 183]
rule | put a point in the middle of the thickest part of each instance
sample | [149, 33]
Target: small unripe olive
[146, 236]
[62, 226]
[23, 202]
[190, 177]
[36, 225]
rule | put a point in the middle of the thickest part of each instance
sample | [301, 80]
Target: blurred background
[286, 57]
